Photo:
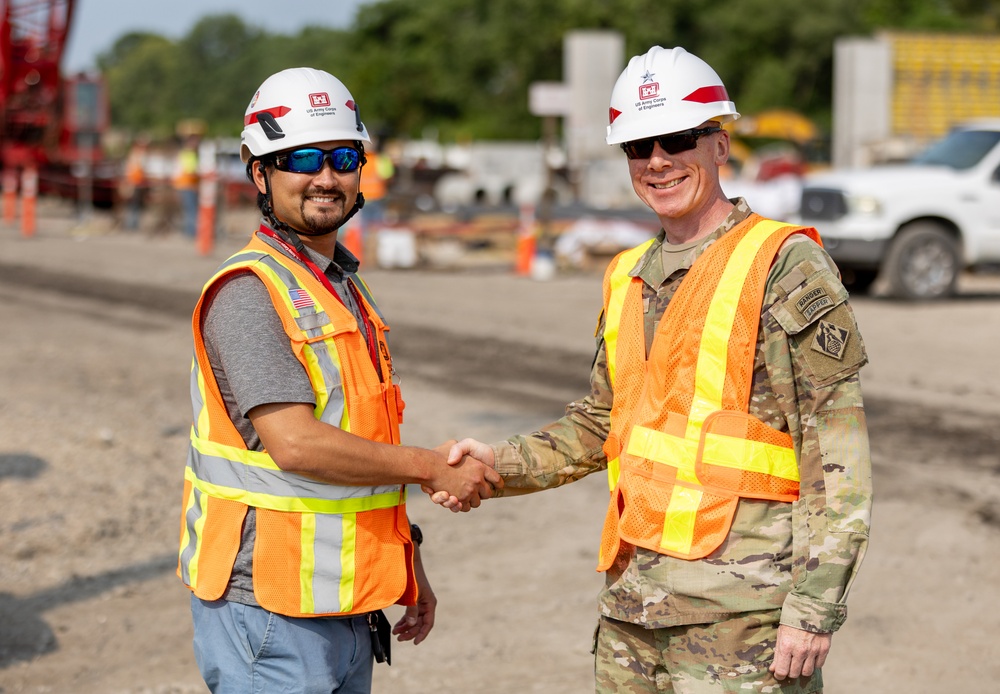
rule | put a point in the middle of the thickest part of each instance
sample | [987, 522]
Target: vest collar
[343, 260]
[650, 266]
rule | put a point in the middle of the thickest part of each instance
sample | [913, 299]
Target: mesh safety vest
[320, 549]
[683, 448]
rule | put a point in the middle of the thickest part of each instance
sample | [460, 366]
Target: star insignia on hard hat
[648, 77]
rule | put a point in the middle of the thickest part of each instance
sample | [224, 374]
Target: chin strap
[293, 234]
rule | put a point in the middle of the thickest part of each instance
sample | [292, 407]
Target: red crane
[32, 37]
[46, 122]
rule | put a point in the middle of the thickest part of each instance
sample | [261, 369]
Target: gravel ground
[94, 415]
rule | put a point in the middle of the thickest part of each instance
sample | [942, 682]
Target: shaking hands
[472, 461]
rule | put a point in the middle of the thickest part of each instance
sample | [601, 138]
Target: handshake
[467, 477]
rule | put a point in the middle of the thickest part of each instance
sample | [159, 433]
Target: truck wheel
[922, 263]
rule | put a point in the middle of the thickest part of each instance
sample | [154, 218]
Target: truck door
[987, 204]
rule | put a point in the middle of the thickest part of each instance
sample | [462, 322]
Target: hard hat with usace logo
[296, 107]
[666, 90]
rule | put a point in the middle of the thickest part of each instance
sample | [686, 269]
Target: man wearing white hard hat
[294, 533]
[726, 408]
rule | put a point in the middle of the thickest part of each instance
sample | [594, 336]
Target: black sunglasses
[674, 143]
[311, 159]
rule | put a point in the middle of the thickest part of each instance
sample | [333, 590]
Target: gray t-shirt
[253, 364]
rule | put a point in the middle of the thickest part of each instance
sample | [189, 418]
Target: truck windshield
[960, 149]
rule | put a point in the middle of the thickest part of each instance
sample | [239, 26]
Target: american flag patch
[300, 299]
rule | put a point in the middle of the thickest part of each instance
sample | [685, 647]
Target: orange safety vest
[320, 549]
[375, 175]
[186, 176]
[683, 448]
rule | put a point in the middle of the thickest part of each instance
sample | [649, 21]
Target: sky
[97, 24]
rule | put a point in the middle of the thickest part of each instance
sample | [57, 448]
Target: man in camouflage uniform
[758, 613]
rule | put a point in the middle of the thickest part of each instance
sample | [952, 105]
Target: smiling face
[683, 189]
[315, 203]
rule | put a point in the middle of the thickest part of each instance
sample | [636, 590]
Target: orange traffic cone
[525, 253]
[352, 240]
[526, 242]
[205, 235]
[29, 196]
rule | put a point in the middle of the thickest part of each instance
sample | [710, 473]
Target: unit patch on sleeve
[831, 340]
[831, 348]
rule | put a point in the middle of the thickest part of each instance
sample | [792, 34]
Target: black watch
[415, 534]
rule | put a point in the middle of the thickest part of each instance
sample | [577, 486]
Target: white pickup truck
[917, 226]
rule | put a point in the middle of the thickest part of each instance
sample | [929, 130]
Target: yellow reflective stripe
[618, 285]
[753, 456]
[710, 373]
[613, 473]
[307, 563]
[297, 505]
[679, 520]
[286, 298]
[316, 376]
[664, 449]
[348, 567]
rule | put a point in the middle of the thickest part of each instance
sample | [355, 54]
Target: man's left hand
[418, 620]
[798, 652]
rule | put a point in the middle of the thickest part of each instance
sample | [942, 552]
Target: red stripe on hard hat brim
[706, 95]
[277, 112]
[613, 114]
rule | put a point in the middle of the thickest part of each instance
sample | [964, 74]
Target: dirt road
[94, 412]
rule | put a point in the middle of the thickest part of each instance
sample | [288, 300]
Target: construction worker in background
[186, 180]
[133, 183]
[294, 532]
[726, 408]
[378, 173]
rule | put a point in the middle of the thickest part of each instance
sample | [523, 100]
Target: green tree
[462, 68]
[140, 70]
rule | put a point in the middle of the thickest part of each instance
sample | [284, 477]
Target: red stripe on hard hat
[613, 114]
[706, 95]
[277, 112]
[350, 105]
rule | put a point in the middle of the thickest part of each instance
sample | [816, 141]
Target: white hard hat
[666, 90]
[299, 106]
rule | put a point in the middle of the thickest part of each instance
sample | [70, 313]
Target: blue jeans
[189, 210]
[247, 650]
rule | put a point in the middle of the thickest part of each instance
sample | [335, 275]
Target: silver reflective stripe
[328, 570]
[308, 317]
[333, 411]
[197, 402]
[312, 322]
[238, 259]
[191, 517]
[219, 471]
[363, 288]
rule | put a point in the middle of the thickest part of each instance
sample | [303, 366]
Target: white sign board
[549, 99]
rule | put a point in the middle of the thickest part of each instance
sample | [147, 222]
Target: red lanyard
[321, 276]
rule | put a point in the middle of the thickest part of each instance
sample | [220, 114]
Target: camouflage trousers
[729, 656]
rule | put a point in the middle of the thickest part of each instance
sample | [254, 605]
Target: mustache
[326, 193]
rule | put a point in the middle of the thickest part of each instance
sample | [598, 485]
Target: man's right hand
[466, 451]
[467, 478]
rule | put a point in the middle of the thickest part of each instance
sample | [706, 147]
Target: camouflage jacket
[800, 557]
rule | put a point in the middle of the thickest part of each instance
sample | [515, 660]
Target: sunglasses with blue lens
[310, 159]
